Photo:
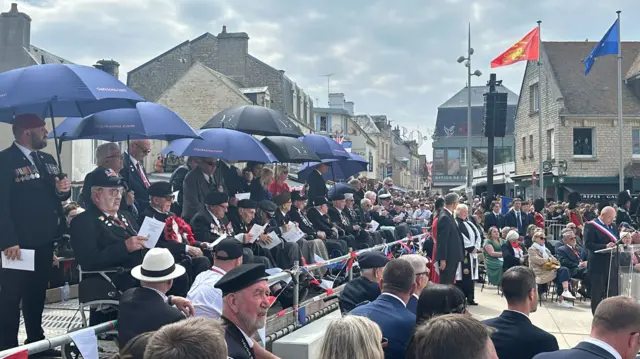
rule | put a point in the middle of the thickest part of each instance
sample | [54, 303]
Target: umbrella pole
[56, 142]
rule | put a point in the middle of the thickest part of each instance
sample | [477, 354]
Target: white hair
[105, 150]
[460, 208]
[418, 262]
[370, 195]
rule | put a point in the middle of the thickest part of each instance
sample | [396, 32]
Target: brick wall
[260, 74]
[526, 122]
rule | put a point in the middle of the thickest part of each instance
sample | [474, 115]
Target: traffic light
[495, 113]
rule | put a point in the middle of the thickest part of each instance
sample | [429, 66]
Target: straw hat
[158, 265]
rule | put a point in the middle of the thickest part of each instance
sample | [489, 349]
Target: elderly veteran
[365, 288]
[241, 222]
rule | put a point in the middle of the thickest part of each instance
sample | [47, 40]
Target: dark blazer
[583, 350]
[177, 178]
[340, 220]
[595, 240]
[195, 188]
[395, 320]
[568, 258]
[30, 210]
[356, 292]
[98, 245]
[317, 187]
[143, 310]
[508, 256]
[490, 220]
[449, 244]
[510, 220]
[205, 228]
[413, 304]
[303, 221]
[237, 346]
[517, 338]
[320, 222]
[135, 183]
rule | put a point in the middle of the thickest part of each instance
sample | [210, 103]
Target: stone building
[579, 122]
[227, 54]
[450, 138]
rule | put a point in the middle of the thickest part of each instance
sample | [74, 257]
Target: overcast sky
[393, 57]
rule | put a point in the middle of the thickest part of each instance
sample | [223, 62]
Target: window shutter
[317, 122]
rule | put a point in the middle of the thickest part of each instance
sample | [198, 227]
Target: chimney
[233, 48]
[349, 107]
[111, 67]
[336, 100]
[15, 29]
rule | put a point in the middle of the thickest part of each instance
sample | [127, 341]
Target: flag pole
[621, 166]
[541, 172]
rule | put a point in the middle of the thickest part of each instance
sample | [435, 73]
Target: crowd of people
[202, 290]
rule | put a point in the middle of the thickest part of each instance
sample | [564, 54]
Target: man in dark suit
[614, 333]
[515, 336]
[365, 288]
[570, 256]
[449, 248]
[600, 234]
[317, 184]
[134, 174]
[197, 184]
[390, 311]
[321, 222]
[515, 218]
[31, 218]
[420, 269]
[147, 308]
[177, 179]
[493, 218]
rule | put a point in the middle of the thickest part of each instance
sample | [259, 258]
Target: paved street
[568, 325]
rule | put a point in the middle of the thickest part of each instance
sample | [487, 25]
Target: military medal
[22, 174]
[33, 170]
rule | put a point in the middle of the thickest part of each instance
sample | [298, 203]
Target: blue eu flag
[607, 46]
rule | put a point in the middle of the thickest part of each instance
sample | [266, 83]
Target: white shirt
[135, 163]
[246, 337]
[26, 151]
[207, 299]
[603, 345]
[398, 298]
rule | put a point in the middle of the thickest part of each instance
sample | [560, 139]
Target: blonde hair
[280, 169]
[266, 177]
[461, 207]
[352, 337]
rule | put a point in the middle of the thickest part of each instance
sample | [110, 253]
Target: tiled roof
[41, 56]
[595, 94]
[461, 98]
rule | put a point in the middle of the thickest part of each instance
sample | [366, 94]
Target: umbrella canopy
[289, 149]
[338, 169]
[255, 120]
[147, 120]
[61, 90]
[222, 143]
[341, 188]
[324, 146]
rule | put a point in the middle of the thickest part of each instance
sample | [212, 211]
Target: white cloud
[383, 80]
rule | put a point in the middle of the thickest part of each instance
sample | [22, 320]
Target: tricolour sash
[596, 223]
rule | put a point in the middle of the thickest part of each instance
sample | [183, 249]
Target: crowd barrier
[65, 339]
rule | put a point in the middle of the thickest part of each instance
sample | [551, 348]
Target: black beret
[215, 198]
[282, 198]
[228, 249]
[247, 203]
[105, 177]
[372, 259]
[160, 189]
[267, 206]
[319, 201]
[337, 197]
[296, 196]
[241, 277]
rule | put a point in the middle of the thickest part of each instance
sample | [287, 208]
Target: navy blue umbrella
[254, 120]
[226, 144]
[341, 188]
[61, 90]
[146, 120]
[338, 169]
[325, 147]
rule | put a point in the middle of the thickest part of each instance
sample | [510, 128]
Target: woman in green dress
[493, 256]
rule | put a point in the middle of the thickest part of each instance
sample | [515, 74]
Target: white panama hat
[158, 265]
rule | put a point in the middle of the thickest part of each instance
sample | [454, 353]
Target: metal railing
[46, 344]
[65, 339]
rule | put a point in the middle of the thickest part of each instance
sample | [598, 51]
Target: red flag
[525, 49]
[18, 355]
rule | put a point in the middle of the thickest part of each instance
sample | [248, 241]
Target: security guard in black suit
[31, 217]
[365, 288]
[317, 184]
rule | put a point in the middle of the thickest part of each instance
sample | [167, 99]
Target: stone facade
[226, 53]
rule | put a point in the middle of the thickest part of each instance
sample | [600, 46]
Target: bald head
[607, 215]
[139, 149]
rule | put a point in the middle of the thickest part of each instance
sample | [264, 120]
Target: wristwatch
[169, 299]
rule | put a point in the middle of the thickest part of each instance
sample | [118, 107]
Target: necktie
[519, 221]
[144, 178]
[37, 162]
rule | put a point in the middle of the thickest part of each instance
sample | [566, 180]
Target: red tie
[144, 178]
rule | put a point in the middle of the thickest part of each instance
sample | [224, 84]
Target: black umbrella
[255, 120]
[289, 149]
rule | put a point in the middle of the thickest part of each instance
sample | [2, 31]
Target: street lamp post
[467, 64]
